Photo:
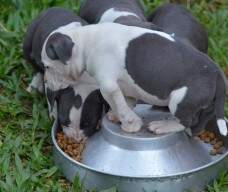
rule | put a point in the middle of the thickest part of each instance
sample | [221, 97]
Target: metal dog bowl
[142, 161]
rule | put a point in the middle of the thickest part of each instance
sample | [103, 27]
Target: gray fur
[39, 30]
[92, 11]
[59, 47]
[173, 18]
[179, 65]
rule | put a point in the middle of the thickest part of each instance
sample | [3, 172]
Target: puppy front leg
[130, 122]
[37, 83]
[131, 102]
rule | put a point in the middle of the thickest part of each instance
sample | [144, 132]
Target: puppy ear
[91, 114]
[59, 47]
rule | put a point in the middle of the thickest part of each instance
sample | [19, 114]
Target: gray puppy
[173, 18]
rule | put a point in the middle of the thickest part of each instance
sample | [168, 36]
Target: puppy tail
[220, 103]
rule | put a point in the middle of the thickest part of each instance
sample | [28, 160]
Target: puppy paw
[165, 126]
[113, 118]
[132, 123]
[74, 133]
[37, 83]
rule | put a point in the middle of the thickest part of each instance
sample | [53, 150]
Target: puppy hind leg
[165, 126]
[187, 109]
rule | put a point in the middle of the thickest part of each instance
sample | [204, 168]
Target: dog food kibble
[213, 152]
[220, 151]
[210, 137]
[70, 147]
[64, 183]
[207, 140]
[216, 146]
[213, 142]
[220, 143]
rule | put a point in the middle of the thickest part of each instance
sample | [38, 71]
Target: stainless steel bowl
[142, 161]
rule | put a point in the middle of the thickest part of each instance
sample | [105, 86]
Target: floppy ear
[59, 47]
[91, 114]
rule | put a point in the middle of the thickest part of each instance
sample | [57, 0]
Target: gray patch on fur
[59, 47]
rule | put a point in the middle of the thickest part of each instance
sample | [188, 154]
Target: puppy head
[55, 55]
[61, 57]
[65, 107]
[77, 108]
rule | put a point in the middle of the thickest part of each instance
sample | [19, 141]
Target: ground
[26, 162]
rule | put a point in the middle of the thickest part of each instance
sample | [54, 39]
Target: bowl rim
[54, 127]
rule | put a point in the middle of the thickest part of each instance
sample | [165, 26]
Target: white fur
[104, 59]
[176, 97]
[54, 75]
[112, 117]
[37, 83]
[165, 126]
[222, 126]
[111, 15]
[70, 26]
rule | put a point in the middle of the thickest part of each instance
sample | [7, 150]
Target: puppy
[175, 19]
[77, 107]
[145, 64]
[127, 12]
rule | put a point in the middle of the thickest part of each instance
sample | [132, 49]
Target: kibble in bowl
[210, 138]
[70, 147]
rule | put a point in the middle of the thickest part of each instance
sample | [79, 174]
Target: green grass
[26, 163]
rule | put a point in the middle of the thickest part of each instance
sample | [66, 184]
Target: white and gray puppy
[126, 12]
[176, 19]
[170, 18]
[148, 65]
[78, 107]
